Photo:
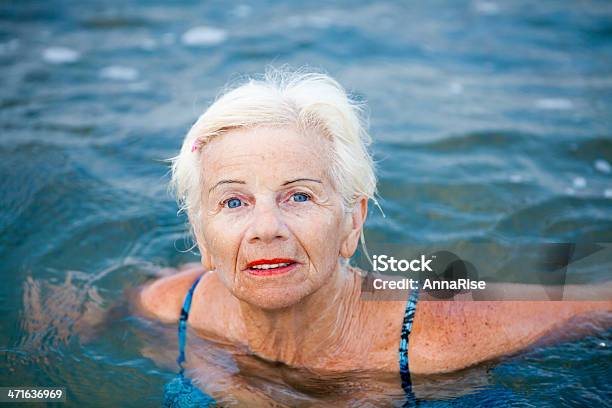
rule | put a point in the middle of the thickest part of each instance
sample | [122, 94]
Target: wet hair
[306, 100]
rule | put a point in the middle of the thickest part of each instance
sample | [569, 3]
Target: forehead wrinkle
[296, 161]
[234, 160]
[238, 161]
[219, 166]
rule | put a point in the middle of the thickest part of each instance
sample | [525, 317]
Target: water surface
[491, 121]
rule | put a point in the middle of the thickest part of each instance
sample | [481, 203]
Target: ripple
[482, 139]
[9, 46]
[168, 38]
[23, 182]
[568, 217]
[112, 22]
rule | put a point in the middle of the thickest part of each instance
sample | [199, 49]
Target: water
[491, 121]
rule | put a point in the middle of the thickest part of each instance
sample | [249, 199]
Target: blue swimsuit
[181, 393]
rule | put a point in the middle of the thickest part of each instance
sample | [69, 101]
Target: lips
[274, 266]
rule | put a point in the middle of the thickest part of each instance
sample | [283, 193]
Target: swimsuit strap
[181, 392]
[182, 328]
[403, 349]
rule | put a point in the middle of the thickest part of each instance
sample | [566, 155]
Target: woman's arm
[451, 335]
[163, 298]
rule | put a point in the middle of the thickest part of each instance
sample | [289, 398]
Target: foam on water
[203, 36]
[119, 73]
[148, 44]
[554, 104]
[602, 165]
[455, 88]
[242, 11]
[60, 55]
[579, 182]
[516, 178]
[486, 7]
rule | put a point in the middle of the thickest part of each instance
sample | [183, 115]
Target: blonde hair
[304, 100]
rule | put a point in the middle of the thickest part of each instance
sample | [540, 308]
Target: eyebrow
[243, 182]
[301, 179]
[226, 182]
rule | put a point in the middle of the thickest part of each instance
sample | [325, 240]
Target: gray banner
[489, 271]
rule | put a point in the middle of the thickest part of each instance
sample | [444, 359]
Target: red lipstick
[258, 267]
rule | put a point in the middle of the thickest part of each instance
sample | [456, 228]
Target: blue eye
[233, 203]
[300, 197]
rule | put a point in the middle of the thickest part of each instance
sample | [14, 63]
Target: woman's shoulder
[163, 298]
[213, 313]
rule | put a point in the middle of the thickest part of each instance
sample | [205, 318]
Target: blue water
[492, 121]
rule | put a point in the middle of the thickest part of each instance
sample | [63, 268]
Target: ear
[358, 217]
[205, 258]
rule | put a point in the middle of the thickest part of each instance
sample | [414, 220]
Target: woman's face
[272, 223]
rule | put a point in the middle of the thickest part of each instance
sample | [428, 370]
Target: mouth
[267, 267]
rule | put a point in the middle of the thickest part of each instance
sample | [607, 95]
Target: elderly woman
[275, 178]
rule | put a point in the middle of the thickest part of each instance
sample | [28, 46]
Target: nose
[267, 225]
